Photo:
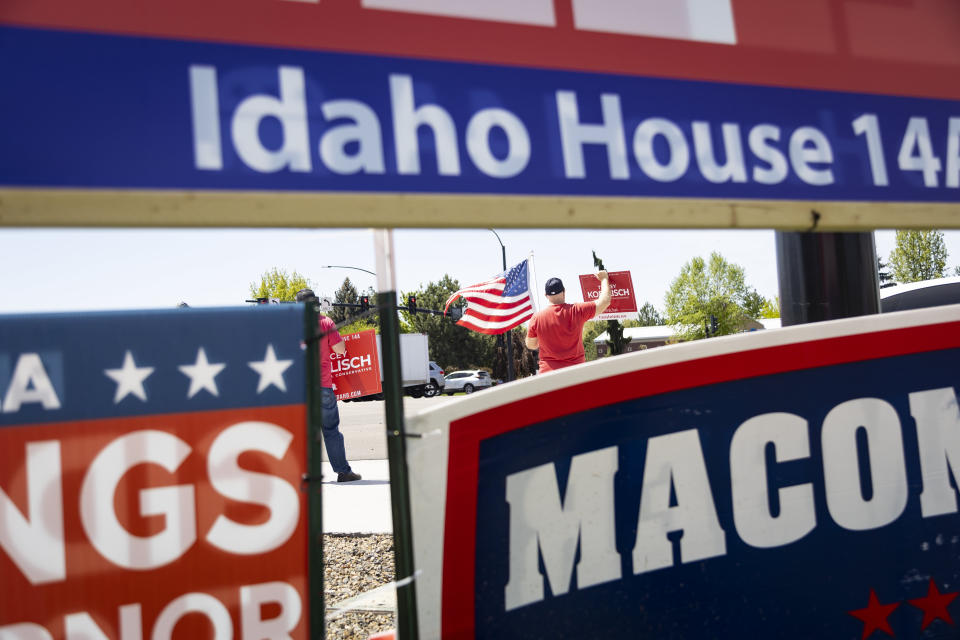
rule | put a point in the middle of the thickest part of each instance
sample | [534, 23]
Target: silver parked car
[435, 386]
[466, 381]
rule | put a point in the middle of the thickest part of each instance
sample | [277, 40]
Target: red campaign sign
[356, 373]
[822, 44]
[135, 523]
[622, 299]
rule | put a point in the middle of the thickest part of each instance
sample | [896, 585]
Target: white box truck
[414, 365]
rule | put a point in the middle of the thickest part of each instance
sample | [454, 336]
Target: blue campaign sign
[174, 115]
[151, 466]
[786, 484]
[706, 113]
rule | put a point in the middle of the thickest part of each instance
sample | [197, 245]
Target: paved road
[363, 425]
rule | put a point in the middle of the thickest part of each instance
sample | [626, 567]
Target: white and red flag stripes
[499, 304]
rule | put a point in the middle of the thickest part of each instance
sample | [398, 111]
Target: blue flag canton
[516, 283]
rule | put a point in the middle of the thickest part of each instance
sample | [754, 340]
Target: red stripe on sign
[818, 44]
[459, 550]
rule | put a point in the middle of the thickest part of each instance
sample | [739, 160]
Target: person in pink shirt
[557, 330]
[330, 413]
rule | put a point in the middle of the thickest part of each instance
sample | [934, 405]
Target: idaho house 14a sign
[700, 111]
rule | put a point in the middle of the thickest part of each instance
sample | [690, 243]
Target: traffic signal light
[412, 304]
[364, 303]
[714, 325]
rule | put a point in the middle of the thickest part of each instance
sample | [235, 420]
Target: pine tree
[615, 341]
[885, 277]
[346, 294]
[648, 316]
[451, 346]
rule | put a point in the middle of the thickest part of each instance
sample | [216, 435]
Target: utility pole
[396, 437]
[825, 276]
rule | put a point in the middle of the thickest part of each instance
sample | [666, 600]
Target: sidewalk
[358, 507]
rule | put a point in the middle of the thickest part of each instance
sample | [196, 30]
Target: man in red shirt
[329, 412]
[557, 330]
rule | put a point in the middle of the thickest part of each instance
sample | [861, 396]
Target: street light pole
[506, 336]
[343, 266]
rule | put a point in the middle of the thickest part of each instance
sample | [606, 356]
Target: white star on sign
[129, 379]
[271, 370]
[201, 374]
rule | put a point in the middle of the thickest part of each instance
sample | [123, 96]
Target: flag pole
[536, 286]
[407, 627]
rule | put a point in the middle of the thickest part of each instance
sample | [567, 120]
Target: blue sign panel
[80, 366]
[96, 111]
[736, 510]
[798, 483]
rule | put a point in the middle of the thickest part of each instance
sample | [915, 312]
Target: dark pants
[332, 438]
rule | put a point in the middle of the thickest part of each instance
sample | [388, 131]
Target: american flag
[497, 305]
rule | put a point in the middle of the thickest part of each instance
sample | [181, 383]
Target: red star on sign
[934, 605]
[874, 616]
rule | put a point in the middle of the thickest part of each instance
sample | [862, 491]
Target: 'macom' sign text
[778, 484]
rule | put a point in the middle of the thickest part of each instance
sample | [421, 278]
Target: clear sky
[79, 270]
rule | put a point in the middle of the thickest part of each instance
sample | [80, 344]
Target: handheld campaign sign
[577, 113]
[356, 373]
[791, 483]
[150, 473]
[623, 301]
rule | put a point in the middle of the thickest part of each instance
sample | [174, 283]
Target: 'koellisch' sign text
[623, 301]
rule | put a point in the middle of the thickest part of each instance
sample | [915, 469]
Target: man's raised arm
[603, 300]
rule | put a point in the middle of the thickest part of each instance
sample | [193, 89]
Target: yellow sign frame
[120, 208]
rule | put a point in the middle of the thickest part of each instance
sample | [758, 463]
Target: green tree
[346, 294]
[525, 361]
[885, 278]
[705, 290]
[616, 343]
[357, 326]
[648, 316]
[771, 308]
[590, 331]
[918, 255]
[451, 346]
[374, 319]
[753, 304]
[371, 321]
[277, 284]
